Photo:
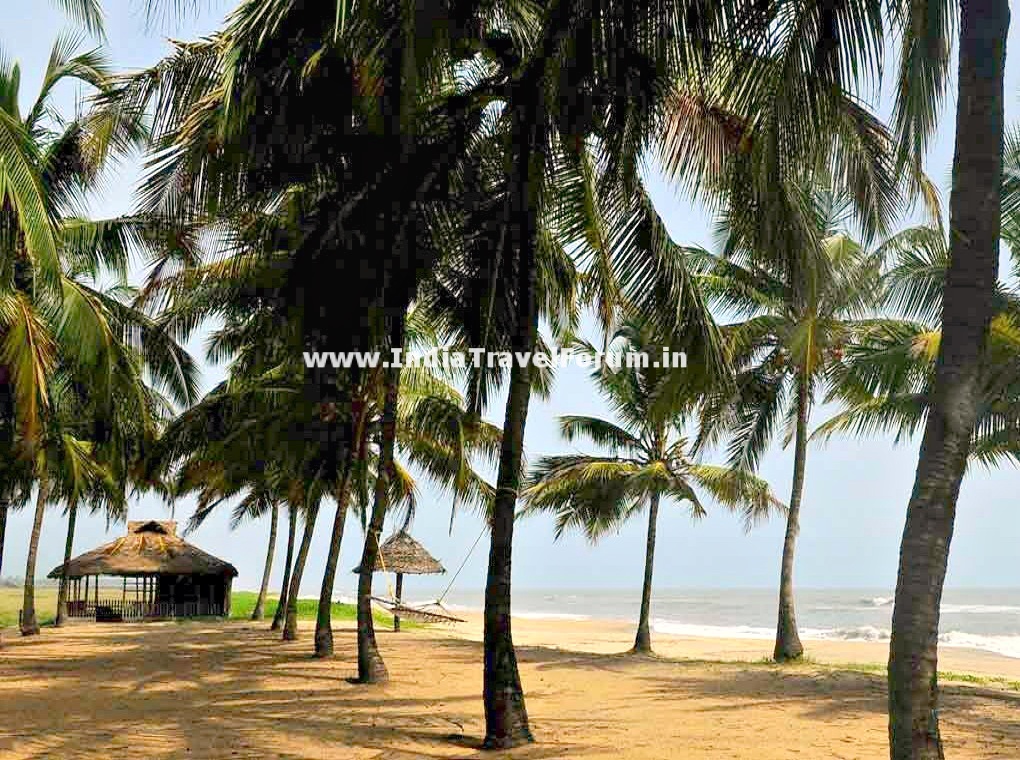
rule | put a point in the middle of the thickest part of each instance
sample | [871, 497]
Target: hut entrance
[160, 576]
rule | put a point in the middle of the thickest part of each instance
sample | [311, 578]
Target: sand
[233, 690]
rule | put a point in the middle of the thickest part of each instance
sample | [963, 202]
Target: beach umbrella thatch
[403, 555]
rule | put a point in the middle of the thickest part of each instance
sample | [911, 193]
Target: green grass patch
[242, 604]
[11, 601]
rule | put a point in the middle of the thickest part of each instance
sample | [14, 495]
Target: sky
[855, 494]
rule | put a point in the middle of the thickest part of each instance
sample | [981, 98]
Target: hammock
[422, 615]
[397, 608]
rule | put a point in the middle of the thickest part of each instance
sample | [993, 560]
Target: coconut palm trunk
[788, 646]
[4, 507]
[643, 640]
[72, 515]
[29, 624]
[323, 626]
[290, 624]
[968, 298]
[260, 604]
[371, 668]
[288, 561]
[506, 717]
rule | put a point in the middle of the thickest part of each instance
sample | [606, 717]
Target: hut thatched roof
[402, 554]
[150, 547]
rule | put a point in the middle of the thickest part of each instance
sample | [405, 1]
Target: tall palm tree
[288, 562]
[648, 460]
[67, 469]
[790, 70]
[967, 306]
[54, 324]
[791, 337]
[434, 429]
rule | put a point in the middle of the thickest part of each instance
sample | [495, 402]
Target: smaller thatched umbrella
[401, 554]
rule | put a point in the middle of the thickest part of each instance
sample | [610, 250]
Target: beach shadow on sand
[204, 690]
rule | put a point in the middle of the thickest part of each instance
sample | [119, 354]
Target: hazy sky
[855, 494]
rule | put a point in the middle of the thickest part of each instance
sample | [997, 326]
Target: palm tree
[16, 480]
[262, 494]
[431, 425]
[66, 470]
[772, 122]
[792, 337]
[54, 325]
[886, 377]
[648, 460]
[288, 562]
[88, 14]
[967, 302]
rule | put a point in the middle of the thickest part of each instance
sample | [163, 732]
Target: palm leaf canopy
[648, 454]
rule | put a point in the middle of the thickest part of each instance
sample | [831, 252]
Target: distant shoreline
[600, 636]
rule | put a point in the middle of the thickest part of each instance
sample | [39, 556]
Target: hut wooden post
[228, 584]
[400, 599]
[86, 591]
[123, 595]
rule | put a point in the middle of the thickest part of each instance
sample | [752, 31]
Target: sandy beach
[233, 690]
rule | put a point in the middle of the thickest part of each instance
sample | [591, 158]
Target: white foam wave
[1008, 646]
[979, 609]
[524, 614]
[674, 628]
[878, 601]
[529, 615]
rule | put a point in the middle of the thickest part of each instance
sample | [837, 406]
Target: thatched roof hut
[150, 547]
[401, 554]
[171, 578]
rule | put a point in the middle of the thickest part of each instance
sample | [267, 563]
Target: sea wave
[674, 628]
[528, 615]
[525, 614]
[1008, 646]
[979, 609]
[878, 601]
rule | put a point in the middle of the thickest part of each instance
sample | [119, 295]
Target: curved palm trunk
[290, 624]
[29, 624]
[4, 507]
[260, 604]
[788, 646]
[506, 717]
[72, 514]
[371, 668]
[643, 640]
[281, 604]
[975, 207]
[323, 627]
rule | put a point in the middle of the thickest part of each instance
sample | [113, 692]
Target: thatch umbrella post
[400, 597]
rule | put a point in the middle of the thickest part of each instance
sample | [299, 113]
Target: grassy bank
[242, 604]
[11, 601]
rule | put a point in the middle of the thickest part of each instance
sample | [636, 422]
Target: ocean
[986, 619]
